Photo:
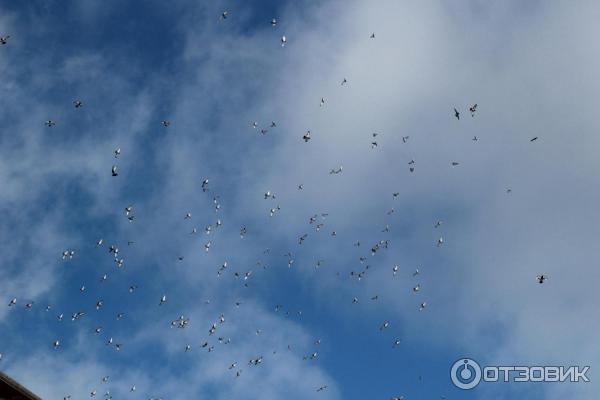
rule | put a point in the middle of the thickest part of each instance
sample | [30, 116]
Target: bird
[456, 114]
[165, 123]
[68, 254]
[472, 109]
[320, 389]
[385, 325]
[335, 171]
[78, 103]
[534, 139]
[56, 344]
[373, 35]
[224, 14]
[163, 300]
[114, 171]
[440, 242]
[396, 343]
[274, 22]
[50, 123]
[283, 41]
[4, 39]
[12, 302]
[344, 81]
[306, 137]
[541, 278]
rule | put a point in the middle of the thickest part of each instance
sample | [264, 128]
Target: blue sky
[530, 68]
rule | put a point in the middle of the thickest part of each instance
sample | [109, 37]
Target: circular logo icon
[465, 373]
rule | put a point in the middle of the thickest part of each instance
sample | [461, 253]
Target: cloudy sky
[511, 209]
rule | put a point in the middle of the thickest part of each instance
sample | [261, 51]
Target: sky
[303, 280]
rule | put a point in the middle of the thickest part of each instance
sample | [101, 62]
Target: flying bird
[472, 109]
[306, 137]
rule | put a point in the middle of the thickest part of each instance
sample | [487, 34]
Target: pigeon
[78, 103]
[163, 300]
[12, 302]
[274, 22]
[541, 278]
[306, 137]
[456, 114]
[114, 171]
[283, 41]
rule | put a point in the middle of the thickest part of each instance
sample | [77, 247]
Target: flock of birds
[316, 221]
